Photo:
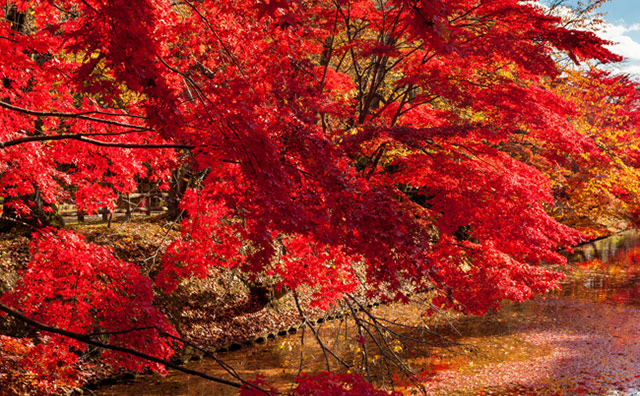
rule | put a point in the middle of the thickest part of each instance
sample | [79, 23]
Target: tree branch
[87, 340]
[83, 138]
[81, 116]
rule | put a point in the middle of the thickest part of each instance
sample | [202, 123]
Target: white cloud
[624, 44]
[625, 39]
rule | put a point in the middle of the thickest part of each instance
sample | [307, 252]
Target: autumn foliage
[30, 369]
[430, 143]
[599, 191]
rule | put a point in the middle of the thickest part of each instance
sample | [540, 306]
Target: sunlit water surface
[580, 340]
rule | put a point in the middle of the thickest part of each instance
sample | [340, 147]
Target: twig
[326, 351]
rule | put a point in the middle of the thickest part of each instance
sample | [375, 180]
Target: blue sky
[623, 27]
[623, 19]
[626, 11]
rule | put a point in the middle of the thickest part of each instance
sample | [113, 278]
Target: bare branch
[82, 137]
[81, 116]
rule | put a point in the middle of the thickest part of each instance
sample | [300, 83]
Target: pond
[583, 339]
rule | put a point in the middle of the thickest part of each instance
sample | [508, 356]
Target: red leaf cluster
[83, 288]
[420, 143]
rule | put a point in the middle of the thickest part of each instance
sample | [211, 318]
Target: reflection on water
[606, 271]
[580, 340]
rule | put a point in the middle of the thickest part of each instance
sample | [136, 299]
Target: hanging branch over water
[88, 340]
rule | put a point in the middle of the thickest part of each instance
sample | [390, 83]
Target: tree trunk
[127, 208]
[38, 218]
[177, 187]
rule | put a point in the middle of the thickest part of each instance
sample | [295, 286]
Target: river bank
[580, 340]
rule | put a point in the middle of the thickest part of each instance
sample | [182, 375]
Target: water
[580, 340]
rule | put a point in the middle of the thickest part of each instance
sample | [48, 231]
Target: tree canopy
[443, 146]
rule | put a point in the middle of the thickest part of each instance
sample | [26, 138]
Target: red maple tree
[333, 133]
